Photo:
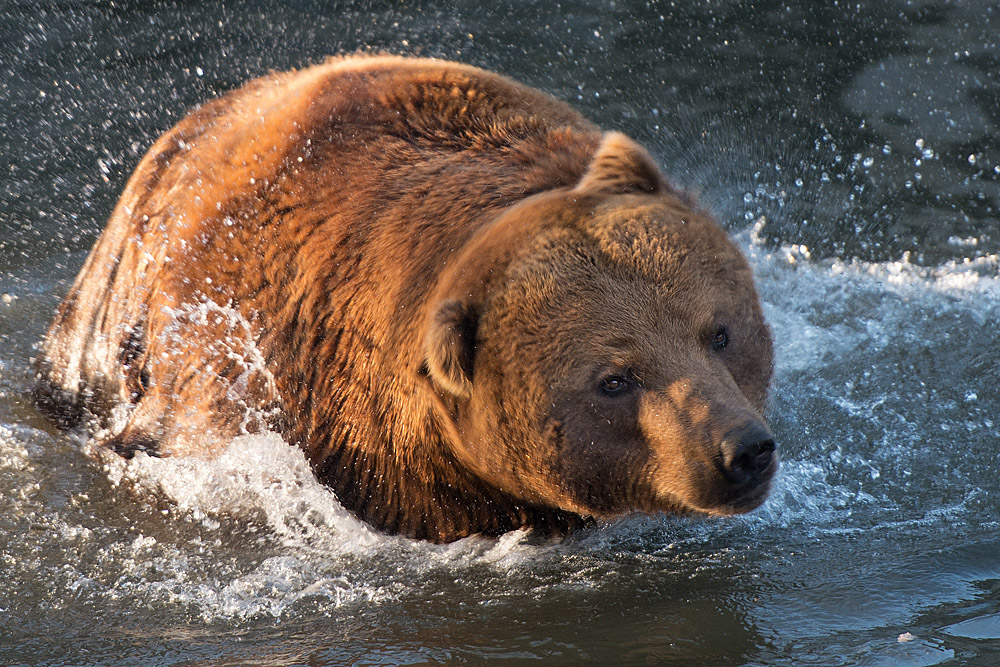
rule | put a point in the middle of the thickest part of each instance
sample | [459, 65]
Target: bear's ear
[450, 347]
[621, 166]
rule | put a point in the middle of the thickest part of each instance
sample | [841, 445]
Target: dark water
[853, 149]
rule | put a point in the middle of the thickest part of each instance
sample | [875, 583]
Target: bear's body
[471, 309]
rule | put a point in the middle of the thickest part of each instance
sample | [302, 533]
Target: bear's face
[619, 361]
[623, 367]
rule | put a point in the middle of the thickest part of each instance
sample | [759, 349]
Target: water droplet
[869, 161]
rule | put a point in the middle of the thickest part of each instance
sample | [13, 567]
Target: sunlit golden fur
[417, 272]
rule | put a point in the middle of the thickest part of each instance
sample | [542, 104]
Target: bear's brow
[622, 351]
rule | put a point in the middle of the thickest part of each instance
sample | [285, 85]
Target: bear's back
[330, 199]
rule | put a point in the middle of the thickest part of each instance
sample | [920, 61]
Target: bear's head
[602, 350]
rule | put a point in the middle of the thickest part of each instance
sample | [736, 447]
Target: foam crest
[257, 475]
[963, 278]
[304, 548]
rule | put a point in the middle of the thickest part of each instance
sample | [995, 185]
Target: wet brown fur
[410, 268]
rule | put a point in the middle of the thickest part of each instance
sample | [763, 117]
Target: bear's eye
[615, 385]
[720, 340]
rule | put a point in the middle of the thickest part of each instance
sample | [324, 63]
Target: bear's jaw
[707, 490]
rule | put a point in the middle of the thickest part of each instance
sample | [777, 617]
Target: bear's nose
[747, 454]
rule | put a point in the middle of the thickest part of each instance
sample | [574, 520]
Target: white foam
[821, 310]
[310, 549]
[272, 589]
[964, 277]
[256, 475]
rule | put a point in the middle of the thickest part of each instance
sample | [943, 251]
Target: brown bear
[472, 309]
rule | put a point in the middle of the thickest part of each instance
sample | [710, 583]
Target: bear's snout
[713, 452]
[747, 454]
